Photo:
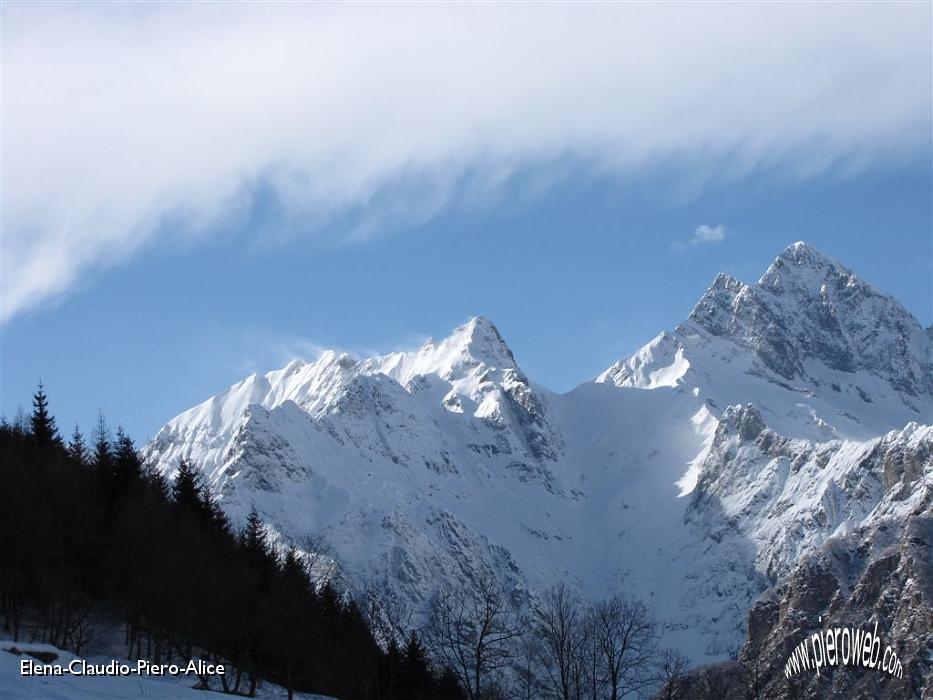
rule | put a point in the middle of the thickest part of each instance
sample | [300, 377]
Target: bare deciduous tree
[389, 616]
[527, 664]
[559, 621]
[320, 559]
[625, 641]
[472, 629]
[672, 669]
[590, 673]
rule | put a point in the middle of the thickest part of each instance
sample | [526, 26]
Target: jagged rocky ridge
[698, 471]
[878, 578]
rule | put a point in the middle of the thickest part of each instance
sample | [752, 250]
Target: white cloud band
[116, 116]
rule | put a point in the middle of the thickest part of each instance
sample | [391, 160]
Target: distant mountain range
[778, 419]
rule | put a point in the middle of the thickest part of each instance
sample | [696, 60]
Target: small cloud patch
[708, 234]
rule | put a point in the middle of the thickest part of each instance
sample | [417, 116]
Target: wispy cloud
[248, 350]
[707, 234]
[127, 123]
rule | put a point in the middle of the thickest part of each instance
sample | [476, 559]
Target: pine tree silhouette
[294, 572]
[41, 422]
[186, 489]
[103, 455]
[415, 677]
[127, 468]
[256, 547]
[77, 449]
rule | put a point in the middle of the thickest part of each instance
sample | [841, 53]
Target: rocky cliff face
[881, 575]
[804, 492]
[843, 533]
[880, 580]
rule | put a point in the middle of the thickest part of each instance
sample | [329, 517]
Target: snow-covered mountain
[856, 360]
[692, 474]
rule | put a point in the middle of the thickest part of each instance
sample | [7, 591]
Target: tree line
[89, 534]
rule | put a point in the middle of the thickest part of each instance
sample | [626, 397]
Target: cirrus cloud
[119, 118]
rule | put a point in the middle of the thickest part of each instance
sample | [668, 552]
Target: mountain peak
[802, 255]
[808, 307]
[803, 268]
[477, 342]
[800, 249]
[481, 340]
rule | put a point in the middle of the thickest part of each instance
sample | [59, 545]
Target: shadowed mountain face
[877, 579]
[699, 470]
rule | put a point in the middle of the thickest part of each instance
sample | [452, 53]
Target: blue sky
[574, 281]
[197, 192]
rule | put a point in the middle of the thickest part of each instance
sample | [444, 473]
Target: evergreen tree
[42, 423]
[415, 677]
[103, 455]
[254, 545]
[212, 514]
[293, 571]
[156, 483]
[187, 487]
[77, 449]
[330, 601]
[127, 468]
[192, 496]
[391, 666]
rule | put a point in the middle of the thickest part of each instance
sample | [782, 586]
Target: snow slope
[430, 467]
